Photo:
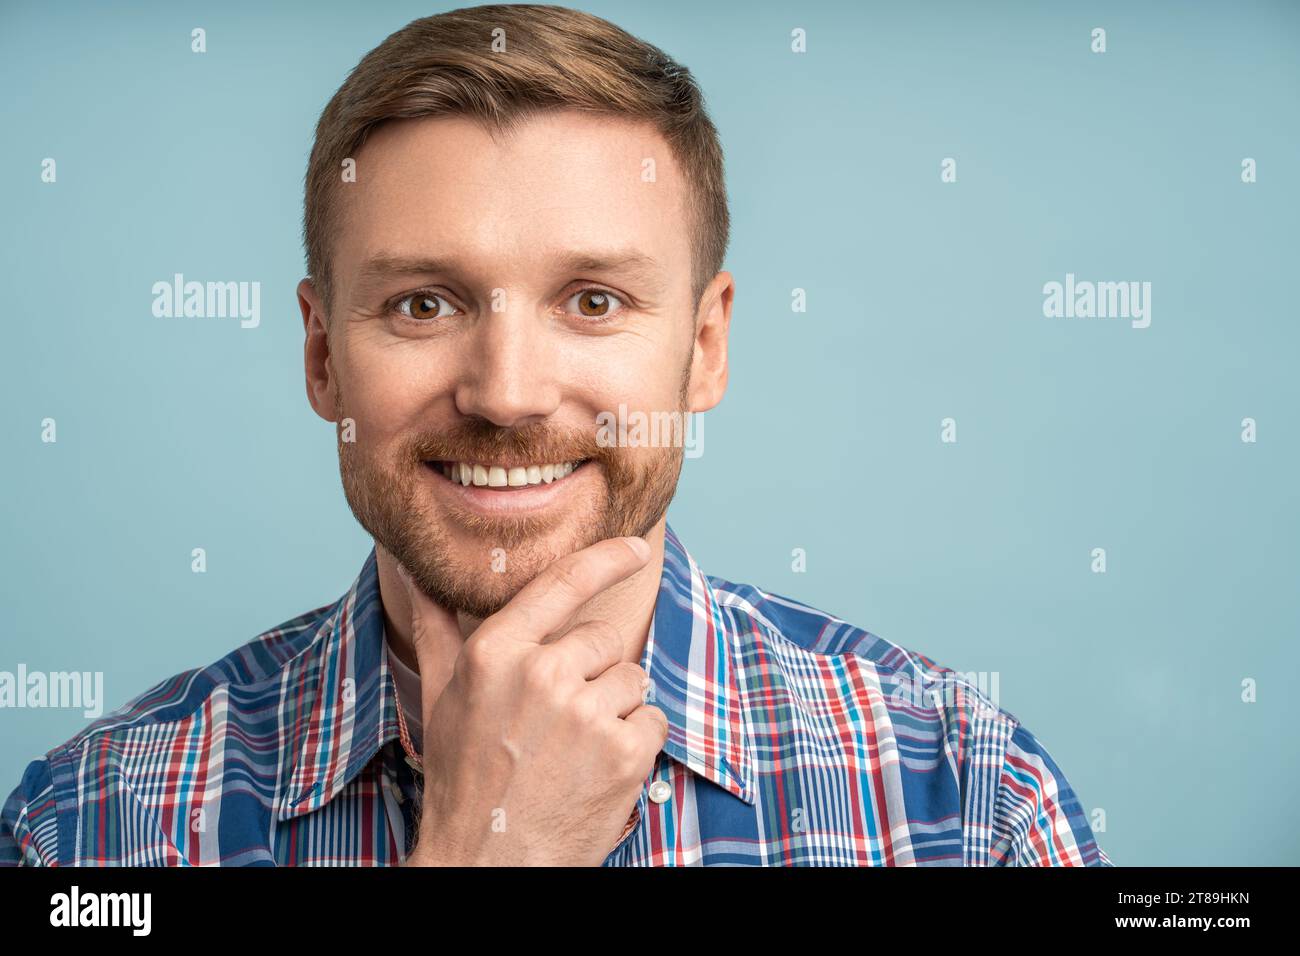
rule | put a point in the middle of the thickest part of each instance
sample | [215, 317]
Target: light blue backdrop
[924, 302]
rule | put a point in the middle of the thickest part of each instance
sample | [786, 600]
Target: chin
[478, 570]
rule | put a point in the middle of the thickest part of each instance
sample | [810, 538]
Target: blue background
[924, 302]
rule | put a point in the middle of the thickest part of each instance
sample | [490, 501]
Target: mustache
[478, 440]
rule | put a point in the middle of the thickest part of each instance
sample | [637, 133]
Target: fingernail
[640, 547]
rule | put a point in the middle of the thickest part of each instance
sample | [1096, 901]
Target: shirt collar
[344, 708]
[692, 655]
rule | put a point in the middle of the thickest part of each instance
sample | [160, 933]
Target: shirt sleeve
[1037, 817]
[29, 820]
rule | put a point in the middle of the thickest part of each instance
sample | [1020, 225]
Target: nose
[509, 377]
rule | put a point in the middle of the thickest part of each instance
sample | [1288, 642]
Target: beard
[388, 496]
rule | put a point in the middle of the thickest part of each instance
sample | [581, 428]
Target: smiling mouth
[505, 477]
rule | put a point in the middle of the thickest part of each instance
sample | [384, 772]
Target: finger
[547, 602]
[620, 690]
[650, 724]
[591, 648]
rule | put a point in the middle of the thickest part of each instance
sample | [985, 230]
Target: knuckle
[633, 674]
[542, 674]
[474, 659]
[585, 643]
[601, 638]
[585, 709]
[630, 760]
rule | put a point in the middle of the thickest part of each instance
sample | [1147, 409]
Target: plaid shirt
[794, 739]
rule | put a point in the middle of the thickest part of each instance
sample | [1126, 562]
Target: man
[515, 222]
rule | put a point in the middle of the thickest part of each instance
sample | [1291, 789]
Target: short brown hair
[554, 58]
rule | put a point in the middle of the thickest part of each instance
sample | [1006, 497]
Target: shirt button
[660, 791]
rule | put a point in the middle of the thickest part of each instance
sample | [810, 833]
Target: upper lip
[506, 463]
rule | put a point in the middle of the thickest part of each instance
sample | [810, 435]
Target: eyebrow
[626, 262]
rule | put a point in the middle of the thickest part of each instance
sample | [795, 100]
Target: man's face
[491, 300]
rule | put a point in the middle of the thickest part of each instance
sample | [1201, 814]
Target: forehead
[560, 180]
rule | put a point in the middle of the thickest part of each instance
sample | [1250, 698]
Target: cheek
[390, 387]
[643, 375]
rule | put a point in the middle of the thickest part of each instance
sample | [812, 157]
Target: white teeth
[499, 476]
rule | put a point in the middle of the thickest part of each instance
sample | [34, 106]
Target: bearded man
[515, 221]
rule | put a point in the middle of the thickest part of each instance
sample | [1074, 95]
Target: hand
[535, 752]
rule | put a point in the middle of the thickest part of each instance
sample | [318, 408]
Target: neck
[628, 606]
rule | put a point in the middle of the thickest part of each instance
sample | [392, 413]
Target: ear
[321, 387]
[709, 361]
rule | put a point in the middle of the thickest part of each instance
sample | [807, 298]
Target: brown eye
[593, 303]
[423, 305]
[596, 303]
